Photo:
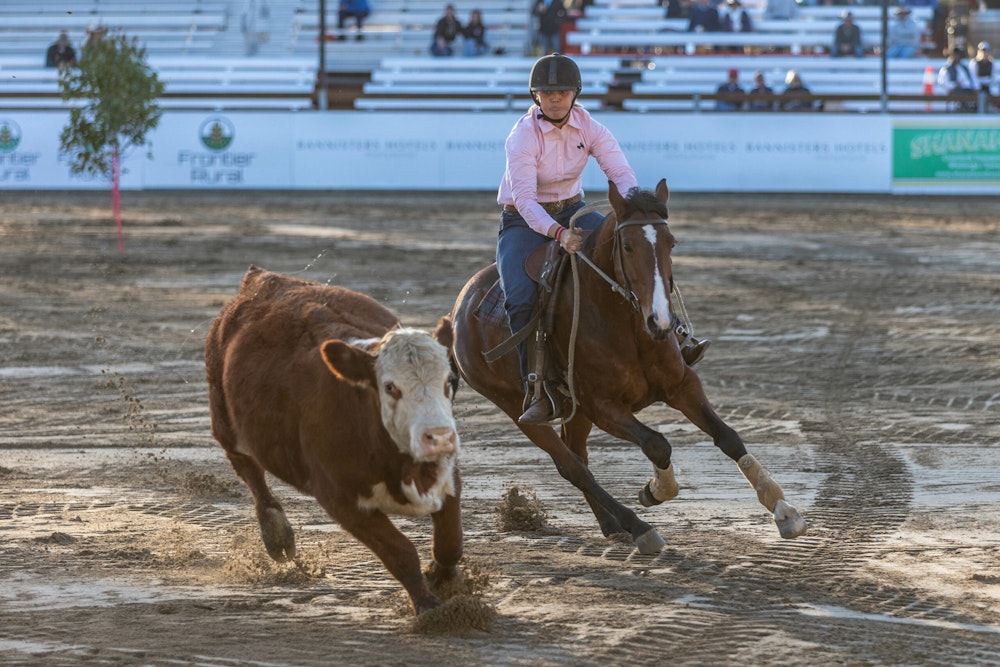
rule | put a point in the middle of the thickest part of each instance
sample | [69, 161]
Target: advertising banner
[946, 156]
[216, 150]
[709, 152]
[30, 157]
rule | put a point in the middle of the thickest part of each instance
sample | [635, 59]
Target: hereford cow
[320, 387]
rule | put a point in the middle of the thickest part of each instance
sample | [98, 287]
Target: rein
[616, 287]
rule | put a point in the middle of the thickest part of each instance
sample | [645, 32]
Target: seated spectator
[780, 10]
[847, 38]
[446, 31]
[956, 80]
[549, 16]
[256, 25]
[796, 96]
[356, 9]
[675, 9]
[731, 89]
[982, 68]
[704, 17]
[475, 35]
[758, 99]
[60, 53]
[733, 18]
[903, 39]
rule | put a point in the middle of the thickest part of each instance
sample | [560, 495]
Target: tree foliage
[120, 92]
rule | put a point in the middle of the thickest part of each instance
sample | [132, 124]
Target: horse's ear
[662, 191]
[614, 197]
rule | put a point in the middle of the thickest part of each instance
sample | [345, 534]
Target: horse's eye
[626, 246]
[393, 391]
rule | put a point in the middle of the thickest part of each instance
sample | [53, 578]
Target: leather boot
[539, 410]
[693, 353]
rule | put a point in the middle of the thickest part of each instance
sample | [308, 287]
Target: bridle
[625, 291]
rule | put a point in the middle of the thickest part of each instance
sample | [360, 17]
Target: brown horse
[626, 357]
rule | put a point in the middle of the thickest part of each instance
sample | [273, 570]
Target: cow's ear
[349, 363]
[444, 333]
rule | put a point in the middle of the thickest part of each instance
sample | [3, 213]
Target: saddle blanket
[490, 310]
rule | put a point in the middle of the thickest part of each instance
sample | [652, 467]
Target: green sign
[946, 154]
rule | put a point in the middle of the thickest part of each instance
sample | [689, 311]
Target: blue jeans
[516, 240]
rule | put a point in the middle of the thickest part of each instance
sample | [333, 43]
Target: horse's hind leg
[574, 470]
[276, 532]
[574, 434]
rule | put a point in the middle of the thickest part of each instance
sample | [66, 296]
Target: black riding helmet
[555, 72]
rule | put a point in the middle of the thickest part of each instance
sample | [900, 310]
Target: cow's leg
[397, 553]
[576, 472]
[279, 540]
[443, 573]
[690, 399]
[575, 434]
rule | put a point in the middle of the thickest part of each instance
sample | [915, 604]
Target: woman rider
[547, 150]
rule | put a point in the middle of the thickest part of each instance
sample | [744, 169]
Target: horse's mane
[636, 201]
[643, 201]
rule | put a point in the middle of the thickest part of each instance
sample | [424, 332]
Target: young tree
[120, 92]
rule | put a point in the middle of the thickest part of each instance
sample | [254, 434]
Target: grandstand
[632, 57]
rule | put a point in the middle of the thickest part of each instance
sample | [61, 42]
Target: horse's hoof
[279, 540]
[790, 523]
[646, 497]
[649, 543]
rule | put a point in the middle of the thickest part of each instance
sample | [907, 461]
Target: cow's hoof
[279, 540]
[647, 498]
[649, 543]
[790, 523]
[445, 582]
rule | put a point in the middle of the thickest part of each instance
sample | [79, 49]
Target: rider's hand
[571, 240]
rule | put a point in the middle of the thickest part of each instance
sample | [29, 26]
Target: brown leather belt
[551, 207]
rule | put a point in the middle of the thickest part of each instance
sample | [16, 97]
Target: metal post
[885, 58]
[321, 70]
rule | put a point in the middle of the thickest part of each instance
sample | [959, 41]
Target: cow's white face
[413, 378]
[411, 373]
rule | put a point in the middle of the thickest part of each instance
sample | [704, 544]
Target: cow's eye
[393, 391]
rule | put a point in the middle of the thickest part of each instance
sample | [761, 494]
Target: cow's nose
[438, 441]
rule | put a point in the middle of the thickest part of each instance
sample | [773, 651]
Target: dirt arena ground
[856, 345]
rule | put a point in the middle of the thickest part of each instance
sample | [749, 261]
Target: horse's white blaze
[661, 293]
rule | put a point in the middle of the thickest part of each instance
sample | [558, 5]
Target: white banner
[710, 152]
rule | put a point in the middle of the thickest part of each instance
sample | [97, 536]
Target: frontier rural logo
[216, 133]
[10, 135]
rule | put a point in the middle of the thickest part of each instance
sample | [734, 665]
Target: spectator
[731, 95]
[796, 97]
[780, 10]
[704, 17]
[759, 97]
[549, 14]
[847, 38]
[733, 18]
[982, 68]
[675, 9]
[256, 25]
[955, 79]
[903, 39]
[446, 31]
[356, 9]
[475, 35]
[60, 53]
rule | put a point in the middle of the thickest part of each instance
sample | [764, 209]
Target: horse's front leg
[621, 423]
[690, 399]
[575, 471]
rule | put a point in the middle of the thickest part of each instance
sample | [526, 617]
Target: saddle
[546, 266]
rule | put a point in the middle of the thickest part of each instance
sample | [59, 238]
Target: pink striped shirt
[544, 163]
